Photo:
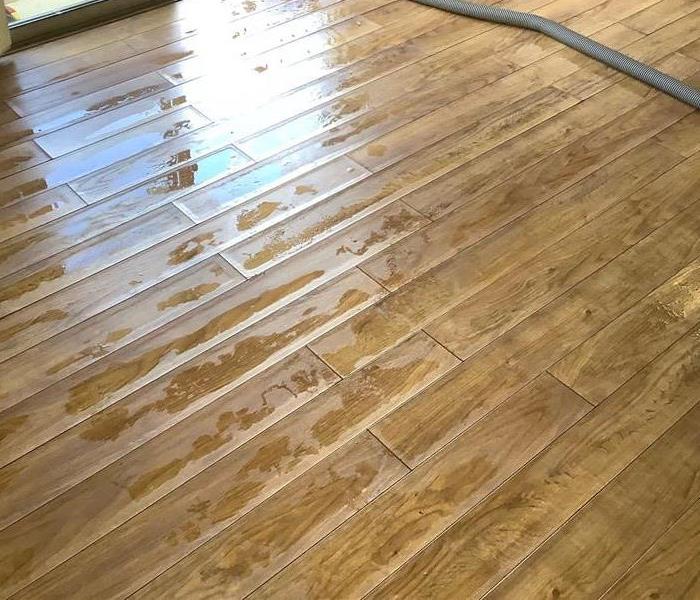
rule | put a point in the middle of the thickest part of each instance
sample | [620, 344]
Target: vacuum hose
[612, 58]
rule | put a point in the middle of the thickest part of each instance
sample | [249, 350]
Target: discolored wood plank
[414, 511]
[65, 353]
[168, 426]
[231, 314]
[179, 393]
[94, 129]
[241, 194]
[157, 161]
[61, 70]
[630, 513]
[285, 525]
[106, 288]
[490, 540]
[118, 210]
[55, 94]
[598, 367]
[20, 157]
[239, 482]
[23, 287]
[393, 108]
[73, 111]
[37, 211]
[102, 154]
[669, 568]
[268, 248]
[159, 466]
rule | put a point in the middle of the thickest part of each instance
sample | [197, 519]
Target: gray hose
[612, 58]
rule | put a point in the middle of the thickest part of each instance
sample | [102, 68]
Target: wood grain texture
[669, 568]
[629, 513]
[492, 539]
[349, 299]
[424, 504]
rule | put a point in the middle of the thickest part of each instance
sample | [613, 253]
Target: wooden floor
[317, 299]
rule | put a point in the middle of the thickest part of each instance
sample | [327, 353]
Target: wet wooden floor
[315, 299]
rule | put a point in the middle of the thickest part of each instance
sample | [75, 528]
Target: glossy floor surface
[317, 299]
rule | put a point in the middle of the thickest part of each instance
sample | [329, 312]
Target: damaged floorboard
[311, 299]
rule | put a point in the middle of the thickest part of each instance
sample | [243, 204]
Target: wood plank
[683, 137]
[360, 98]
[200, 20]
[157, 161]
[151, 410]
[650, 49]
[23, 287]
[465, 216]
[588, 18]
[242, 195]
[20, 157]
[55, 94]
[534, 345]
[481, 548]
[604, 362]
[412, 513]
[118, 210]
[441, 288]
[268, 248]
[97, 128]
[449, 33]
[39, 210]
[335, 141]
[105, 289]
[669, 568]
[230, 316]
[692, 50]
[266, 84]
[446, 210]
[518, 293]
[305, 92]
[269, 53]
[102, 154]
[286, 524]
[73, 111]
[64, 69]
[630, 513]
[290, 447]
[159, 466]
[7, 115]
[521, 152]
[233, 27]
[363, 110]
[659, 15]
[272, 50]
[57, 357]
